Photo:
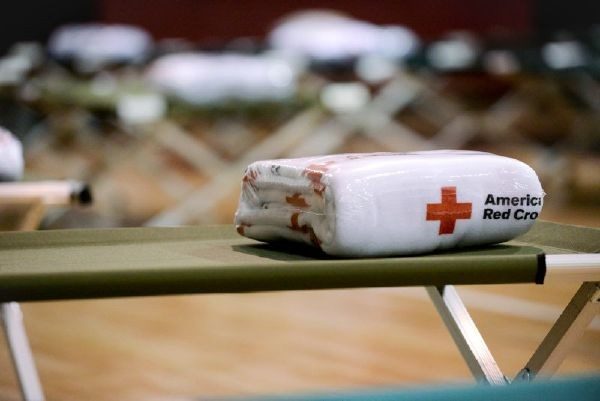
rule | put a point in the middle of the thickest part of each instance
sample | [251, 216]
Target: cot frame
[37, 196]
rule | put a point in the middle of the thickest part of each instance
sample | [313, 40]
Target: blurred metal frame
[578, 314]
[36, 197]
[563, 335]
[20, 351]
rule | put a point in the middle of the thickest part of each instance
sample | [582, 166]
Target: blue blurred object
[560, 389]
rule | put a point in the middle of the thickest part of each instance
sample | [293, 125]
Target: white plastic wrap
[11, 157]
[389, 203]
[203, 78]
[93, 45]
[328, 36]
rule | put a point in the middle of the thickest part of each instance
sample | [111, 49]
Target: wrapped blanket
[389, 203]
[11, 157]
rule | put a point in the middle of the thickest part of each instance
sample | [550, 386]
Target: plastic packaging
[92, 46]
[11, 157]
[203, 78]
[382, 204]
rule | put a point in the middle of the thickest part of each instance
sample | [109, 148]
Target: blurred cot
[163, 132]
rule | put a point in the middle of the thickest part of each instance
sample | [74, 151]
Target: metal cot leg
[466, 335]
[569, 327]
[12, 323]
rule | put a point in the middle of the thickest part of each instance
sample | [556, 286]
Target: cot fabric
[100, 263]
[382, 204]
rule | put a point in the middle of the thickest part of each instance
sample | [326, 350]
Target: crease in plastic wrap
[385, 204]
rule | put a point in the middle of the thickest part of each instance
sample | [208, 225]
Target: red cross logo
[448, 211]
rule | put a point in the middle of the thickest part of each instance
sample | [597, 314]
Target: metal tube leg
[12, 322]
[569, 327]
[466, 335]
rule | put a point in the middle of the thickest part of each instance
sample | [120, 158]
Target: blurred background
[159, 105]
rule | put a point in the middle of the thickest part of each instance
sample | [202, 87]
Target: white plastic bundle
[200, 78]
[11, 157]
[92, 46]
[389, 203]
[329, 36]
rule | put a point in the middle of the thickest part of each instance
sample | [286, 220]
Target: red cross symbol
[448, 211]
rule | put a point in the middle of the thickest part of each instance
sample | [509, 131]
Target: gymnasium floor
[195, 347]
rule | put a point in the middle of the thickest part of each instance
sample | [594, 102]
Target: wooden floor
[195, 347]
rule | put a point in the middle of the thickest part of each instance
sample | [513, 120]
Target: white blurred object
[13, 70]
[11, 157]
[19, 61]
[93, 46]
[33, 52]
[51, 193]
[329, 36]
[201, 79]
[374, 68]
[564, 54]
[141, 108]
[345, 97]
[457, 51]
